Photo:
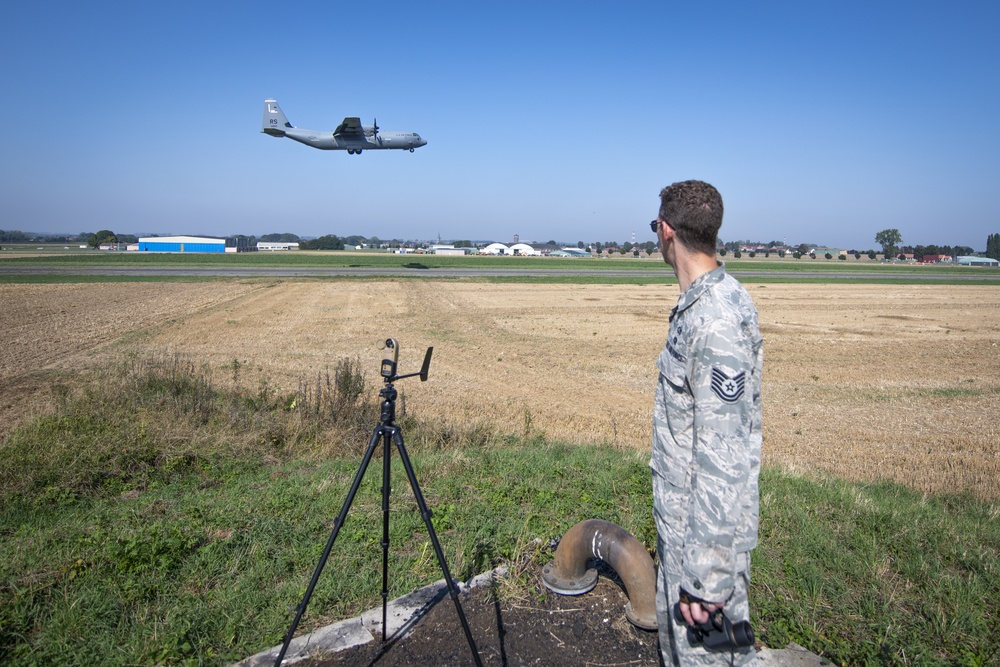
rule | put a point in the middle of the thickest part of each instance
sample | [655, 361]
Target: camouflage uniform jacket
[707, 431]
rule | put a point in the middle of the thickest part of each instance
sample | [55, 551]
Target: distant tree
[871, 254]
[797, 255]
[15, 237]
[812, 255]
[598, 247]
[828, 256]
[857, 255]
[993, 246]
[551, 242]
[103, 236]
[751, 254]
[463, 244]
[737, 254]
[803, 249]
[650, 247]
[888, 239]
[328, 242]
[579, 244]
[842, 257]
[781, 254]
[722, 252]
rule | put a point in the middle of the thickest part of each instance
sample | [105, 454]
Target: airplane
[350, 135]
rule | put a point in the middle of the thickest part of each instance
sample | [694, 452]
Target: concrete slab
[402, 615]
[792, 656]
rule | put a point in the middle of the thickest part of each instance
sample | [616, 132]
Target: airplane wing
[351, 127]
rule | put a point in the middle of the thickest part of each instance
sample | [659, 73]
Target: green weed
[154, 517]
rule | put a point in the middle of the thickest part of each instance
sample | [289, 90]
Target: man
[706, 432]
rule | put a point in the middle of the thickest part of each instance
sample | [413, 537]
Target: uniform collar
[701, 285]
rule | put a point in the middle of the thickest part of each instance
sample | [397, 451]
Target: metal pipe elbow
[568, 573]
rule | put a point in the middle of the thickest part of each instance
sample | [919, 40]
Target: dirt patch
[866, 382]
[55, 330]
[589, 629]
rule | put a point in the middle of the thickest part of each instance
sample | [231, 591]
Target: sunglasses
[655, 225]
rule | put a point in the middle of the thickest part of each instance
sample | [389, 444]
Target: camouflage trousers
[671, 520]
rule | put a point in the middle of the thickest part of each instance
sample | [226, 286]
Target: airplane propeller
[375, 127]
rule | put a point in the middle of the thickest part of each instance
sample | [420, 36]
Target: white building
[523, 249]
[970, 260]
[277, 245]
[495, 249]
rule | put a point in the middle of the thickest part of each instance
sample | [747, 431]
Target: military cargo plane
[350, 136]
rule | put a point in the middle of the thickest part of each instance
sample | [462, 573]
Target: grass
[167, 512]
[329, 259]
[58, 266]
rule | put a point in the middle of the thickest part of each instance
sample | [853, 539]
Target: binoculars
[718, 633]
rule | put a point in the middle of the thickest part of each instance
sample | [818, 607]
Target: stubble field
[865, 382]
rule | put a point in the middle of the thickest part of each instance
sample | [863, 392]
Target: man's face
[663, 238]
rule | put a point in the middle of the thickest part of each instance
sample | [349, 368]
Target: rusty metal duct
[568, 574]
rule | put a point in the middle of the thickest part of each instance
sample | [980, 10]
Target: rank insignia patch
[727, 388]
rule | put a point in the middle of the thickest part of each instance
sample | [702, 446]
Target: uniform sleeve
[721, 368]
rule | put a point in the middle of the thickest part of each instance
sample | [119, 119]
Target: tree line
[890, 239]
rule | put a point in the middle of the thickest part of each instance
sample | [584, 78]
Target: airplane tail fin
[274, 122]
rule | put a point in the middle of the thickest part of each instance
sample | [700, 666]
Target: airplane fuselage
[328, 142]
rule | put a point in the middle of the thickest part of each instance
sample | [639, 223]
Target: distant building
[449, 250]
[524, 250]
[240, 244]
[977, 261]
[495, 249]
[277, 245]
[181, 244]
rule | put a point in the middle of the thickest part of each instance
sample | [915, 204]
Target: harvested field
[865, 382]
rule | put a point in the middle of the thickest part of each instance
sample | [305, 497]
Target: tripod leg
[397, 437]
[386, 490]
[372, 443]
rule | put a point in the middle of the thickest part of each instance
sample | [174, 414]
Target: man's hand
[696, 613]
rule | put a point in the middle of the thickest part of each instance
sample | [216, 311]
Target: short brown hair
[694, 210]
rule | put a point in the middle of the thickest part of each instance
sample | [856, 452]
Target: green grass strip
[203, 568]
[153, 518]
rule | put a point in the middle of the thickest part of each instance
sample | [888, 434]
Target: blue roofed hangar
[181, 244]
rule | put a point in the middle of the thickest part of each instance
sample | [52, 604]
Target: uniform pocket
[674, 422]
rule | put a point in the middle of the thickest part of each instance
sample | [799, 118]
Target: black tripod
[385, 431]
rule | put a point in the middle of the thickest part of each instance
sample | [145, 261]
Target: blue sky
[820, 122]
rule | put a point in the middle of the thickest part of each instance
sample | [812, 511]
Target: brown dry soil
[866, 382]
[590, 630]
